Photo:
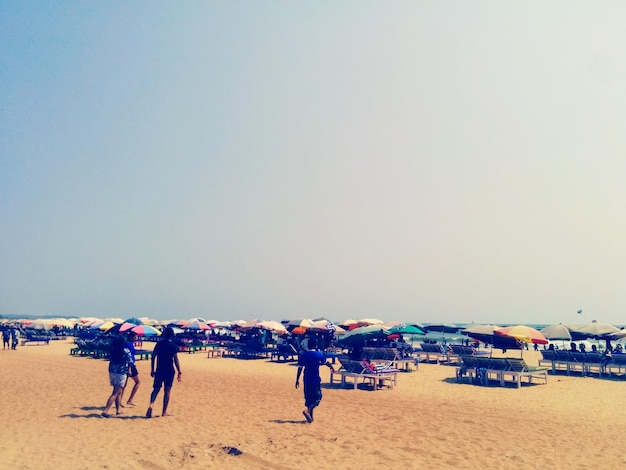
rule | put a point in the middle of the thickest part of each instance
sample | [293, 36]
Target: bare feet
[149, 413]
[130, 403]
[166, 414]
[308, 416]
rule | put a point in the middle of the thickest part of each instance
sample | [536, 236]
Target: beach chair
[578, 362]
[548, 356]
[617, 365]
[520, 370]
[363, 371]
[596, 363]
[562, 361]
[287, 351]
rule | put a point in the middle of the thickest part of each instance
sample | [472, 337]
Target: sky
[433, 161]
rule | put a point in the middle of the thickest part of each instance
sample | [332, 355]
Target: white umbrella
[559, 331]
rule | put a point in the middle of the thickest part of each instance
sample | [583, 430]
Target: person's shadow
[98, 414]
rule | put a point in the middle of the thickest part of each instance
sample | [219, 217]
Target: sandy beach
[52, 401]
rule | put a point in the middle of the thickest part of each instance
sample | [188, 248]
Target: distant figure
[13, 338]
[582, 347]
[165, 355]
[6, 336]
[311, 361]
[133, 373]
[551, 347]
[119, 362]
[572, 347]
[594, 348]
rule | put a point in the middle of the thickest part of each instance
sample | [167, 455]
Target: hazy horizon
[410, 161]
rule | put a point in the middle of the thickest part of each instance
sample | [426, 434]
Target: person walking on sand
[165, 354]
[119, 363]
[311, 361]
[133, 373]
[6, 336]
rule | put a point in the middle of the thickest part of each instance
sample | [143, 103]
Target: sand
[51, 405]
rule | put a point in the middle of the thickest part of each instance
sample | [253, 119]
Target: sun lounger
[617, 365]
[35, 339]
[389, 355]
[520, 370]
[285, 351]
[432, 353]
[481, 370]
[362, 371]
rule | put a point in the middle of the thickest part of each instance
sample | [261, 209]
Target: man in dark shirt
[311, 361]
[165, 354]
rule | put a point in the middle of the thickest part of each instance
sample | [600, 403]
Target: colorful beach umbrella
[106, 326]
[145, 330]
[196, 325]
[127, 326]
[301, 322]
[526, 334]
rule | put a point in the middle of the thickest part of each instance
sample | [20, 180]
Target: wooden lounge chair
[285, 351]
[617, 365]
[520, 370]
[362, 371]
[596, 363]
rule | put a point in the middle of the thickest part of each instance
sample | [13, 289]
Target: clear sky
[417, 161]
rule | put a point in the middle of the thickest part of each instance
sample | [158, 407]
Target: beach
[50, 418]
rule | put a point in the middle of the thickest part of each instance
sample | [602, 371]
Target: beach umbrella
[106, 326]
[134, 321]
[196, 325]
[442, 327]
[145, 330]
[127, 326]
[301, 322]
[272, 325]
[526, 334]
[62, 322]
[95, 323]
[404, 329]
[348, 323]
[40, 325]
[246, 325]
[482, 333]
[554, 332]
[359, 335]
[592, 330]
[370, 321]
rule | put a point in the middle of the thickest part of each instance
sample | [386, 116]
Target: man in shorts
[311, 361]
[165, 355]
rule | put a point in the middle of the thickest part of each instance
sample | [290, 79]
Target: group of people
[163, 366]
[9, 337]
